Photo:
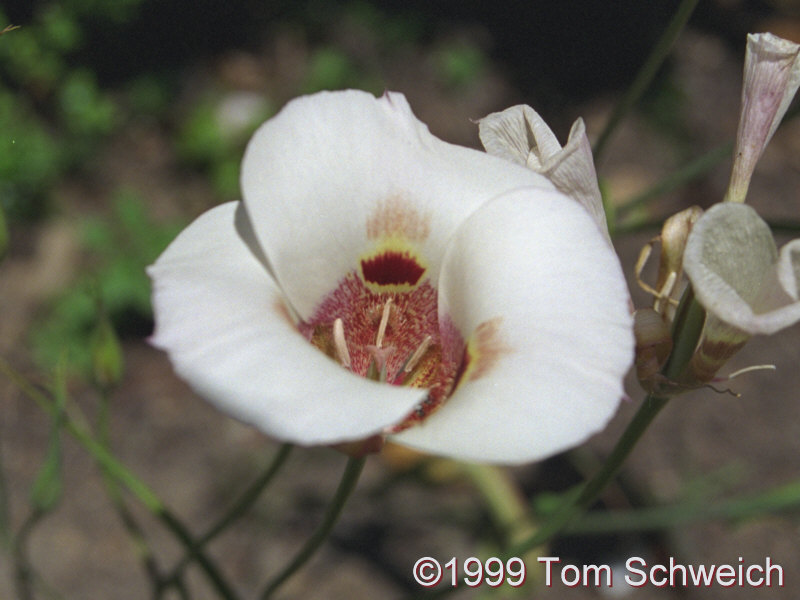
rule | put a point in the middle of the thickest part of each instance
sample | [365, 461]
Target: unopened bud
[107, 360]
[673, 238]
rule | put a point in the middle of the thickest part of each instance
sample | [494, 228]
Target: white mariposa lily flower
[376, 281]
[771, 79]
[520, 135]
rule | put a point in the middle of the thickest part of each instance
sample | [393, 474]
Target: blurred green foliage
[56, 113]
[460, 64]
[116, 285]
[52, 109]
[214, 132]
[333, 69]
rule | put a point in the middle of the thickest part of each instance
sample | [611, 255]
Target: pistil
[418, 354]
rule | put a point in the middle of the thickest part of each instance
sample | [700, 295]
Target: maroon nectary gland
[392, 268]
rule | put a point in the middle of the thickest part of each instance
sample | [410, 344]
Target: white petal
[733, 264]
[328, 166]
[518, 134]
[533, 266]
[521, 135]
[771, 79]
[218, 316]
[789, 269]
[572, 171]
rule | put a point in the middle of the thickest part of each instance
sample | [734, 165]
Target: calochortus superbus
[744, 284]
[376, 282]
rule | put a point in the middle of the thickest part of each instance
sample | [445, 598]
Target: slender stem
[651, 406]
[126, 517]
[505, 502]
[125, 477]
[208, 566]
[249, 496]
[245, 501]
[789, 227]
[5, 522]
[687, 326]
[583, 497]
[507, 507]
[645, 74]
[781, 498]
[137, 487]
[689, 172]
[23, 571]
[686, 330]
[347, 484]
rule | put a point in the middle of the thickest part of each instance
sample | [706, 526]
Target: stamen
[418, 354]
[666, 291]
[340, 343]
[750, 369]
[384, 322]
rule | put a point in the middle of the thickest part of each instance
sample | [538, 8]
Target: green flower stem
[507, 508]
[689, 172]
[123, 476]
[504, 501]
[23, 571]
[242, 505]
[126, 517]
[645, 74]
[782, 498]
[788, 227]
[5, 522]
[347, 484]
[651, 406]
[687, 326]
[249, 496]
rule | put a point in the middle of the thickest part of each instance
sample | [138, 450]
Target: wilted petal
[224, 322]
[789, 269]
[336, 177]
[544, 308]
[519, 134]
[737, 275]
[771, 78]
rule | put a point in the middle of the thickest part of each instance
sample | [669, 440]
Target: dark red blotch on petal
[392, 268]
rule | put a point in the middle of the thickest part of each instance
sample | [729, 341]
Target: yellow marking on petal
[392, 266]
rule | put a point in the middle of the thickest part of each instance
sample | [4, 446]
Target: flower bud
[107, 360]
[771, 78]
